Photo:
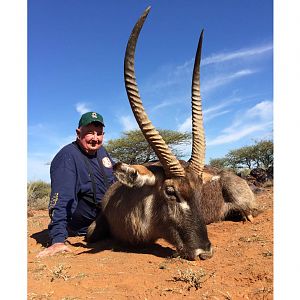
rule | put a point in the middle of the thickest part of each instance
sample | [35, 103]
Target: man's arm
[62, 202]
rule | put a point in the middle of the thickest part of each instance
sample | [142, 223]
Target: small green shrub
[38, 194]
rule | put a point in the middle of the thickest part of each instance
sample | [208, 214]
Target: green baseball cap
[90, 117]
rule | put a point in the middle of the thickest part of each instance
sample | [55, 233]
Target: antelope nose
[205, 254]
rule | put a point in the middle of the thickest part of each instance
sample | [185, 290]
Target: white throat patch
[184, 205]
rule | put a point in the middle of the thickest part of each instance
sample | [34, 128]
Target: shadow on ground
[41, 237]
[110, 244]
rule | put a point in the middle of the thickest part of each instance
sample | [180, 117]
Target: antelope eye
[170, 190]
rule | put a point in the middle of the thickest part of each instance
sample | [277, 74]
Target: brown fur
[176, 209]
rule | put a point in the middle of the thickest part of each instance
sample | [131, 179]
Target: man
[80, 174]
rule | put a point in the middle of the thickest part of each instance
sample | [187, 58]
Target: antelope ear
[133, 175]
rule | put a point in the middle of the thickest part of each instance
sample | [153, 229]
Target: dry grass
[253, 239]
[193, 279]
[38, 194]
[267, 254]
[264, 292]
[60, 271]
[34, 296]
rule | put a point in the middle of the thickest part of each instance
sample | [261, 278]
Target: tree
[241, 157]
[264, 153]
[132, 148]
[259, 155]
[219, 163]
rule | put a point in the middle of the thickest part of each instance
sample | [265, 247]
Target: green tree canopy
[258, 155]
[264, 153]
[132, 148]
[219, 163]
[241, 157]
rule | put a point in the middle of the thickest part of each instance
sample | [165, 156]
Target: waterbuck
[169, 199]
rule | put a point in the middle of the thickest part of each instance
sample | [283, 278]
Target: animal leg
[98, 230]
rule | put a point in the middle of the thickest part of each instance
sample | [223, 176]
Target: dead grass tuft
[226, 295]
[252, 239]
[264, 291]
[60, 271]
[34, 296]
[193, 279]
[267, 253]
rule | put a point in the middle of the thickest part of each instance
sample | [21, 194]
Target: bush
[259, 155]
[243, 172]
[38, 194]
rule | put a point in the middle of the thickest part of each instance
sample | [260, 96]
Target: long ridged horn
[198, 147]
[171, 165]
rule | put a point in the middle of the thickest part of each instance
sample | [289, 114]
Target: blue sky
[75, 64]
[72, 58]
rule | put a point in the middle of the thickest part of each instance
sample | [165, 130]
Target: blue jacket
[70, 182]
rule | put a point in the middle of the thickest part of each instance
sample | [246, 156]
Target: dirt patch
[241, 268]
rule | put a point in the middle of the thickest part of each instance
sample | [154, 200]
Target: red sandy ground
[241, 268]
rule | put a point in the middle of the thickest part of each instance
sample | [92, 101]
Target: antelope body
[169, 199]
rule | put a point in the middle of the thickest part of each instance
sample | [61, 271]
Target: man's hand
[53, 249]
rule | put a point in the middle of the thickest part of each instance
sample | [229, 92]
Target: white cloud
[263, 110]
[212, 111]
[258, 118]
[185, 67]
[237, 134]
[82, 107]
[220, 105]
[211, 116]
[225, 79]
[208, 114]
[173, 81]
[178, 76]
[128, 123]
[186, 126]
[163, 104]
[208, 85]
[173, 75]
[242, 53]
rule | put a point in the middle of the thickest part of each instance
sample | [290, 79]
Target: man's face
[90, 137]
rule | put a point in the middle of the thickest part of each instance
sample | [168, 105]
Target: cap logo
[94, 115]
